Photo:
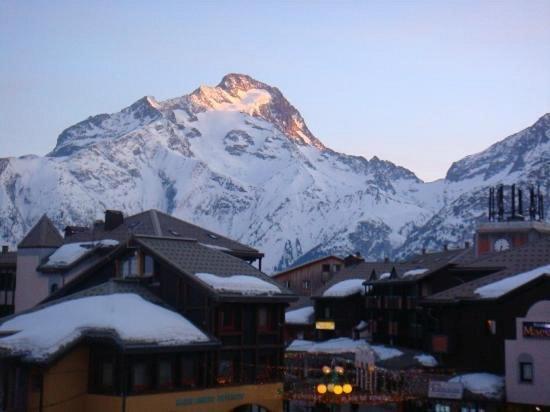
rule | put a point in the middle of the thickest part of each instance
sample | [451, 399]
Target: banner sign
[324, 325]
[445, 390]
[536, 330]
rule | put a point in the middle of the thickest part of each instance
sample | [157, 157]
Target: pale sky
[419, 83]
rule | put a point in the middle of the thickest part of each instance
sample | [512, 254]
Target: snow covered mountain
[239, 159]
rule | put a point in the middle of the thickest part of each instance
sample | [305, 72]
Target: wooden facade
[305, 279]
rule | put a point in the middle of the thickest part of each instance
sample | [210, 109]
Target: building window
[442, 408]
[526, 372]
[53, 288]
[491, 326]
[306, 284]
[287, 284]
[148, 266]
[229, 319]
[265, 319]
[326, 268]
[336, 268]
[189, 370]
[165, 374]
[130, 267]
[141, 377]
[327, 312]
[227, 368]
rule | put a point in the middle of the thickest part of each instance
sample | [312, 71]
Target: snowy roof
[338, 345]
[222, 273]
[41, 333]
[345, 288]
[415, 272]
[426, 360]
[302, 316]
[503, 265]
[70, 253]
[485, 384]
[241, 284]
[504, 286]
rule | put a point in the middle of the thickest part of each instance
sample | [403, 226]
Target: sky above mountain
[418, 83]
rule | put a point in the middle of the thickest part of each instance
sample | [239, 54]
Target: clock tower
[507, 229]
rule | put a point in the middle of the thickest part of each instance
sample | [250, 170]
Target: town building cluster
[149, 312]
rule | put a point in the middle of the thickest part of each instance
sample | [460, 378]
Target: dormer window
[130, 266]
[137, 265]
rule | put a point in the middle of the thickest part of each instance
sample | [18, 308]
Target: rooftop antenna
[500, 203]
[513, 202]
[520, 204]
[532, 204]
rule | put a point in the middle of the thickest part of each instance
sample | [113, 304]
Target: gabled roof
[305, 264]
[42, 235]
[156, 223]
[511, 262]
[201, 263]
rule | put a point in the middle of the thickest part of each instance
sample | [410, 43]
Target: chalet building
[8, 267]
[41, 272]
[528, 360]
[471, 322]
[207, 282]
[308, 277]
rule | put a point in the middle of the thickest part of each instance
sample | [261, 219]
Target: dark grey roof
[511, 262]
[156, 223]
[191, 257]
[43, 235]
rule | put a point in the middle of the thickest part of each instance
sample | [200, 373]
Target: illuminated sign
[536, 330]
[445, 390]
[324, 325]
[224, 397]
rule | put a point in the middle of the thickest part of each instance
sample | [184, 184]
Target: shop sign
[201, 400]
[536, 330]
[445, 390]
[324, 325]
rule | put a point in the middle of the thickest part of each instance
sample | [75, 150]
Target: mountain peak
[233, 82]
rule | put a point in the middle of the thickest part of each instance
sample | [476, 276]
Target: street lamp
[334, 381]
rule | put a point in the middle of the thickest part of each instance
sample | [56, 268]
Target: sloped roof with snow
[223, 274]
[507, 264]
[302, 316]
[70, 253]
[128, 318]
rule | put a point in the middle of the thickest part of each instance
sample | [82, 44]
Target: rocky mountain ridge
[239, 159]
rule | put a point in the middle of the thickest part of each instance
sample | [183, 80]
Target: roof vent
[113, 219]
[212, 236]
[173, 232]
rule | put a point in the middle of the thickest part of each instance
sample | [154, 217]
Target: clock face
[501, 245]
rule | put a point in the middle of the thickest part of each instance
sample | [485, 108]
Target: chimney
[423, 250]
[5, 249]
[445, 247]
[386, 259]
[467, 245]
[113, 219]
